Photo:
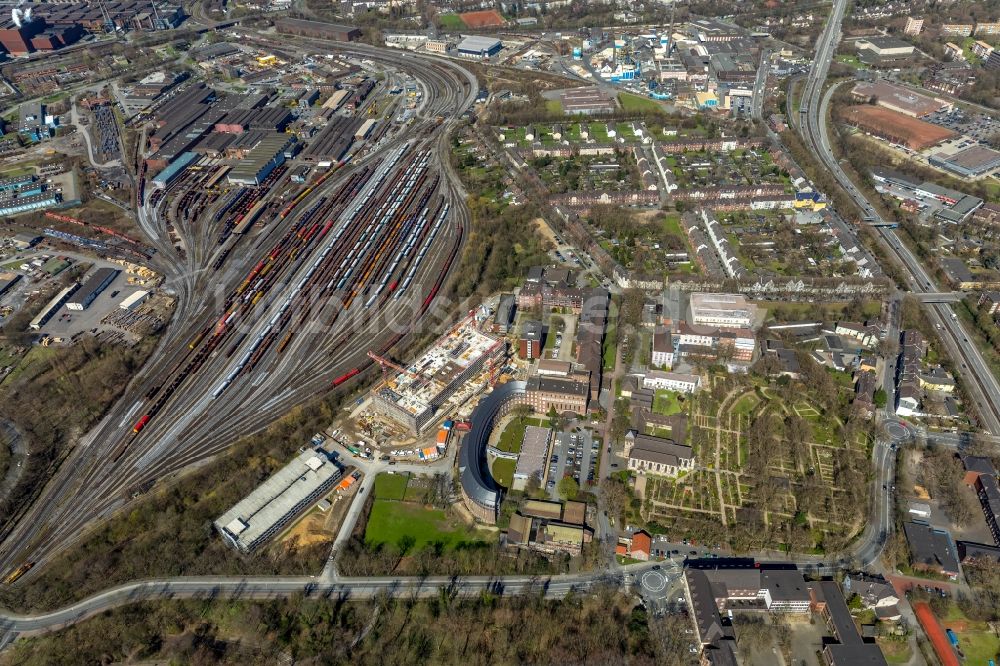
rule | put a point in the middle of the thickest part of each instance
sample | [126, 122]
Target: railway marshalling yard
[348, 262]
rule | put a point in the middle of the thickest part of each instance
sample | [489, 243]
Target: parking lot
[573, 454]
[101, 316]
[977, 126]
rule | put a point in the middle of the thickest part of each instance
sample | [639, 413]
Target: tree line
[603, 627]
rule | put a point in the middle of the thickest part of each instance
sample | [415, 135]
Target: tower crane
[389, 363]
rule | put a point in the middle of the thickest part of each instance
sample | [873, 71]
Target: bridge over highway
[940, 297]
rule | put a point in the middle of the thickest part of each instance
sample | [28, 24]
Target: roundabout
[653, 581]
[897, 431]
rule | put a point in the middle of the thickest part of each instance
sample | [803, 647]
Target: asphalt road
[812, 124]
[285, 586]
[757, 105]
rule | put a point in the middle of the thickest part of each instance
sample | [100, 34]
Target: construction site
[412, 395]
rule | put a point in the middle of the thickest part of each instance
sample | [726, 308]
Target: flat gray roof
[478, 43]
[534, 449]
[274, 500]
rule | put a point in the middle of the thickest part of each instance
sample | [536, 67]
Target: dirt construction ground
[489, 18]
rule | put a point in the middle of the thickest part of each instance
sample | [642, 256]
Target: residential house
[875, 593]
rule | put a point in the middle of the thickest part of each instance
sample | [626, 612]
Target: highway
[243, 346]
[812, 125]
[760, 86]
[980, 383]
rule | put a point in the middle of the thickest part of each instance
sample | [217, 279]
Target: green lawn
[554, 107]
[36, 354]
[391, 486]
[636, 104]
[976, 641]
[745, 404]
[666, 403]
[895, 652]
[513, 434]
[55, 265]
[503, 471]
[625, 131]
[20, 170]
[623, 559]
[979, 646]
[599, 132]
[451, 21]
[402, 522]
[610, 347]
[851, 60]
[672, 225]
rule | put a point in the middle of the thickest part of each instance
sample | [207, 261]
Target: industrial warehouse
[318, 29]
[475, 46]
[51, 26]
[414, 394]
[277, 501]
[92, 288]
[262, 159]
[258, 130]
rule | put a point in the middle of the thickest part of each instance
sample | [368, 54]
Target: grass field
[413, 525]
[36, 354]
[20, 170]
[451, 21]
[672, 224]
[391, 486]
[554, 107]
[851, 60]
[975, 639]
[636, 104]
[503, 471]
[513, 434]
[895, 652]
[610, 348]
[745, 405]
[599, 132]
[666, 403]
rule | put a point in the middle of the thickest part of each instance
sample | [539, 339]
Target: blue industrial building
[268, 154]
[32, 202]
[166, 177]
[15, 183]
[474, 46]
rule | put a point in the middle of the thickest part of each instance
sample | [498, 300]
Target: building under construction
[412, 395]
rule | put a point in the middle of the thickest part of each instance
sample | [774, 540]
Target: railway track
[318, 340]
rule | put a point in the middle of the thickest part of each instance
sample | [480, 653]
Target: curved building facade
[479, 490]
